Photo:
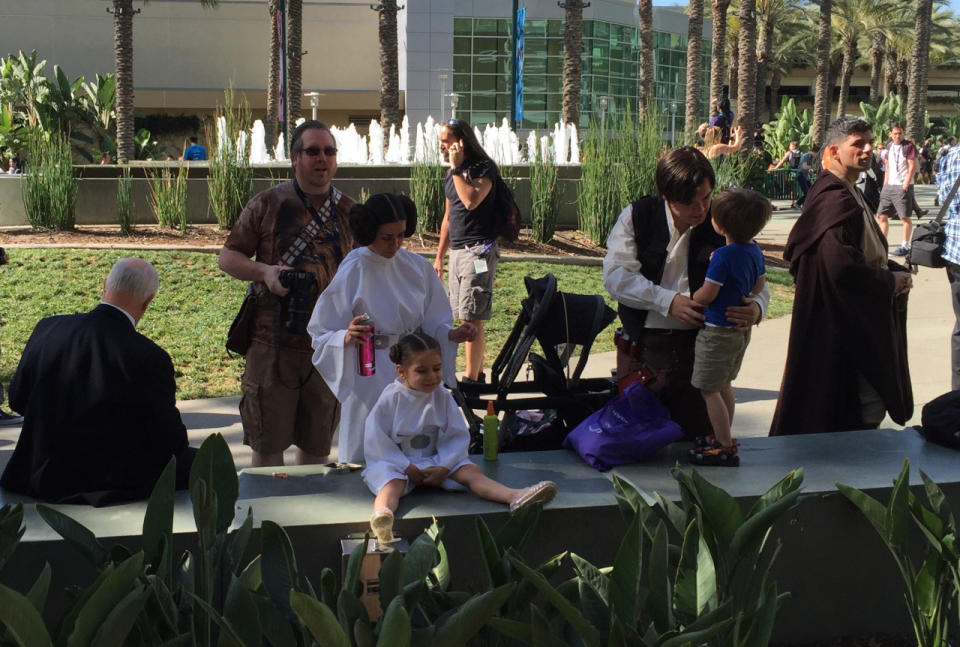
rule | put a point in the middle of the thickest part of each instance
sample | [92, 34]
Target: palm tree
[273, 78]
[877, 46]
[389, 70]
[717, 47]
[767, 11]
[123, 11]
[645, 71]
[747, 74]
[572, 61]
[294, 58]
[916, 102]
[733, 47]
[821, 98]
[856, 22]
[694, 37]
[794, 46]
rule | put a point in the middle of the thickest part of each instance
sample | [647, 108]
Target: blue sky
[954, 4]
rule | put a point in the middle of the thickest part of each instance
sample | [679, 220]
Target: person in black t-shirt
[469, 232]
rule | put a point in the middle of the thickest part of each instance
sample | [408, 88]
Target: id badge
[480, 265]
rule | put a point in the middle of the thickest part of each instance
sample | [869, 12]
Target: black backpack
[508, 213]
[940, 420]
[723, 123]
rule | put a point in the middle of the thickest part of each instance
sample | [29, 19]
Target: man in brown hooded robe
[847, 359]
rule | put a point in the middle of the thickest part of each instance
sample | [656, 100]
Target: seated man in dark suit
[98, 400]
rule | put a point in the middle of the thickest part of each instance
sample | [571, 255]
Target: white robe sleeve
[621, 271]
[438, 321]
[379, 447]
[327, 329]
[453, 441]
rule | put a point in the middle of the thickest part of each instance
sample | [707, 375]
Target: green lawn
[197, 302]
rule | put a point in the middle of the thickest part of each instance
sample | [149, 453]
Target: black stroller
[559, 322]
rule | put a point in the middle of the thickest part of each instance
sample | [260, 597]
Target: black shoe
[481, 379]
[10, 419]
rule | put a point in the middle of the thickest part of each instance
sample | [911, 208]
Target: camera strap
[322, 227]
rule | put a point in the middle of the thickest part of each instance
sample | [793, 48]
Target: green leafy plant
[932, 583]
[168, 197]
[426, 191]
[744, 172]
[231, 177]
[788, 125]
[124, 202]
[617, 166]
[211, 596]
[47, 186]
[690, 573]
[890, 111]
[544, 198]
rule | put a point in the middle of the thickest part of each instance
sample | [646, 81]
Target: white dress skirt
[407, 426]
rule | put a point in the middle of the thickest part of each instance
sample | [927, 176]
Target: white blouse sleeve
[327, 330]
[453, 442]
[621, 270]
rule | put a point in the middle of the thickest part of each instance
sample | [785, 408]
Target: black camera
[296, 305]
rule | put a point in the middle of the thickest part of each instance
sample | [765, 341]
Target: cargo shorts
[895, 202]
[471, 294]
[717, 356]
[286, 402]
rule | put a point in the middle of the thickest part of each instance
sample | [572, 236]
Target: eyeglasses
[314, 151]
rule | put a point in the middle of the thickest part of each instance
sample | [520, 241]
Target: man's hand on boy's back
[745, 316]
[686, 310]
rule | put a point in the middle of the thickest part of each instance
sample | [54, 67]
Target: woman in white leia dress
[399, 291]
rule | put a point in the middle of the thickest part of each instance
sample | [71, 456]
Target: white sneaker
[381, 523]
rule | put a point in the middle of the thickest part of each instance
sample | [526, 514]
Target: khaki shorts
[717, 356]
[471, 294]
[286, 402]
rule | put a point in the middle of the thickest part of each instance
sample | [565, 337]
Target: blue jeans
[803, 179]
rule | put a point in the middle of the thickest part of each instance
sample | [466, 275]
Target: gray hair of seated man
[134, 276]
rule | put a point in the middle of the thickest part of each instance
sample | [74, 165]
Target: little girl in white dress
[416, 435]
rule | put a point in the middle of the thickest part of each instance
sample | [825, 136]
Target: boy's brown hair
[742, 213]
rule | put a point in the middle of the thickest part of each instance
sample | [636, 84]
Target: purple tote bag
[629, 428]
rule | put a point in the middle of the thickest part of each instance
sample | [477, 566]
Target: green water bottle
[490, 424]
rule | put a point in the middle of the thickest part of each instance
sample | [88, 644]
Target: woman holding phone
[469, 232]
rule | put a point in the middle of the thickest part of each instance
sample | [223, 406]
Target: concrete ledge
[841, 578]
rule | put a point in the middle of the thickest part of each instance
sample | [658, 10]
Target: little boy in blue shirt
[736, 270]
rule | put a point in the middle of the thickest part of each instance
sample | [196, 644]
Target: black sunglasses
[314, 151]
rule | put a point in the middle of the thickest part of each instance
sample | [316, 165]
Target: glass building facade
[483, 70]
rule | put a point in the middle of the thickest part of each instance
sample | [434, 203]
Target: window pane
[484, 84]
[484, 46]
[555, 27]
[536, 28]
[484, 65]
[535, 83]
[554, 47]
[484, 100]
[484, 26]
[555, 65]
[554, 83]
[461, 64]
[461, 82]
[461, 45]
[535, 47]
[462, 26]
[481, 118]
[534, 65]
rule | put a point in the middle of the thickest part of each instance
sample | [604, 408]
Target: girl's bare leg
[484, 486]
[389, 495]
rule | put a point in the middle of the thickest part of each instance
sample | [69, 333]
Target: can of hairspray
[366, 354]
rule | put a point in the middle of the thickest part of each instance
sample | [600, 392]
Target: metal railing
[782, 184]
